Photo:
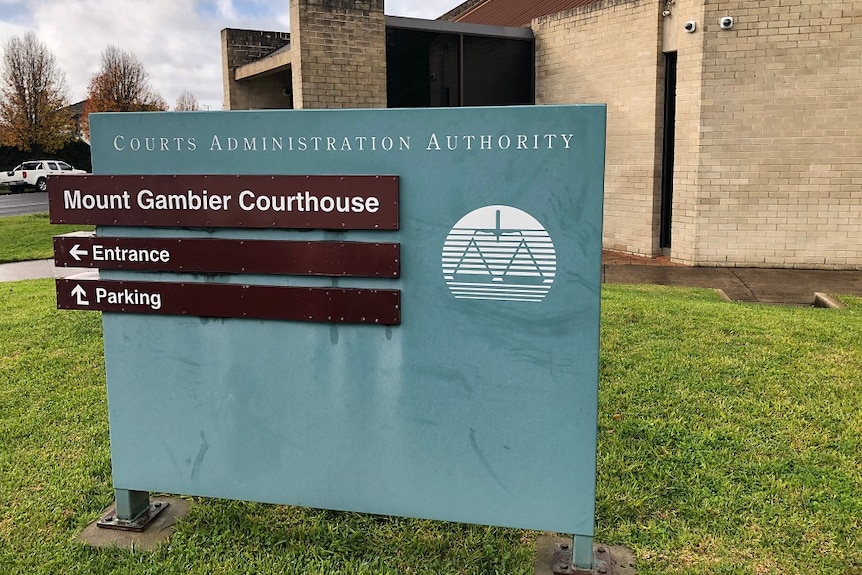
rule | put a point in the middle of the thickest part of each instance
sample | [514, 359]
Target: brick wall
[771, 168]
[690, 96]
[609, 52]
[768, 150]
[340, 59]
[241, 47]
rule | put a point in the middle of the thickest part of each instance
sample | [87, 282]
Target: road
[27, 203]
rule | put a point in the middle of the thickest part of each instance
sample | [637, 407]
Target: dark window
[497, 72]
[422, 69]
[434, 69]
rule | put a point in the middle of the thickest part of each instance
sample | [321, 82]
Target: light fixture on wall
[667, 11]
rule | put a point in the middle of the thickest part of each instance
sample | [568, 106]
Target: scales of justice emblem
[499, 253]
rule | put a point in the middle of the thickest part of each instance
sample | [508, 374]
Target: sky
[178, 41]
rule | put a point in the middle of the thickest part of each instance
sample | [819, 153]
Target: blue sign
[480, 407]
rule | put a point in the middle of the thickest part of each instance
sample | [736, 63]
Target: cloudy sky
[178, 41]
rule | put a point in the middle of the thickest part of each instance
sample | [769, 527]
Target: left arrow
[80, 294]
[76, 251]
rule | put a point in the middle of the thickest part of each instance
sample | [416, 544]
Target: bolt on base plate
[554, 557]
[110, 520]
[602, 563]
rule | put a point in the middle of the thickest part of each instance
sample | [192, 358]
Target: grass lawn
[730, 443]
[28, 237]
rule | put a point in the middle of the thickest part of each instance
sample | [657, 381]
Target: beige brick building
[734, 127]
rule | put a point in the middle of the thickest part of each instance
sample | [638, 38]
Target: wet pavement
[761, 285]
[23, 203]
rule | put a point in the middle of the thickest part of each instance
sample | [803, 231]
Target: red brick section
[509, 12]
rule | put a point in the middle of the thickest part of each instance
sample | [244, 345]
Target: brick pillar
[339, 53]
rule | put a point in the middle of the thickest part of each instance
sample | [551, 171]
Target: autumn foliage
[121, 85]
[33, 98]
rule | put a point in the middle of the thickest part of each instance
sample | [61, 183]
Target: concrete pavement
[774, 286]
[33, 270]
[761, 285]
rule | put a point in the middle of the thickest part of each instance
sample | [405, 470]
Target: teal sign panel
[480, 407]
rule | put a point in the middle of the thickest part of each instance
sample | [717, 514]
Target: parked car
[34, 174]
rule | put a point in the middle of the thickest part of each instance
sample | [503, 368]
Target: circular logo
[499, 253]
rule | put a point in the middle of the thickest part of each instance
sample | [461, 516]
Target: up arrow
[80, 294]
[76, 251]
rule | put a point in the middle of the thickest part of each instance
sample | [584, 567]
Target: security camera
[690, 26]
[726, 23]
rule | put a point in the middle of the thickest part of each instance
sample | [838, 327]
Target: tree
[187, 102]
[33, 98]
[121, 85]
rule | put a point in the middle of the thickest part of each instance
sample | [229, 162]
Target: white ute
[34, 174]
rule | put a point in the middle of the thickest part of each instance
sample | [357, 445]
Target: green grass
[731, 435]
[730, 443]
[28, 237]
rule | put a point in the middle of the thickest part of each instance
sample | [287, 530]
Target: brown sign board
[219, 300]
[223, 201]
[215, 255]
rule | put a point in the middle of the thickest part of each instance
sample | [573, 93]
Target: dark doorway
[668, 149]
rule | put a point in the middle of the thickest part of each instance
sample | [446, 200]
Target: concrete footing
[159, 530]
[615, 560]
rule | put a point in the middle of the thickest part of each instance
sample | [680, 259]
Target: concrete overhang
[445, 27]
[279, 60]
[282, 59]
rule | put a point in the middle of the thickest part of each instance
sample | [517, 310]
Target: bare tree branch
[186, 102]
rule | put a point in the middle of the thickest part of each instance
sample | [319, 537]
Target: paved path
[35, 269]
[796, 287]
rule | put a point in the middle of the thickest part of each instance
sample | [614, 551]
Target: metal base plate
[562, 561]
[554, 557]
[110, 520]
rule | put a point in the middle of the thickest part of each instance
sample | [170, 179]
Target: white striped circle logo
[499, 253]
